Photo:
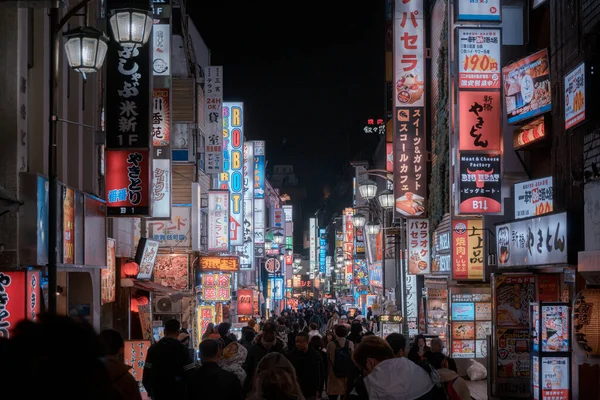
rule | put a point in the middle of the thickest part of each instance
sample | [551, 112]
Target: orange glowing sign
[479, 122]
[135, 356]
[225, 264]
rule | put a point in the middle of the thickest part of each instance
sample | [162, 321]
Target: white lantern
[86, 48]
[367, 189]
[359, 220]
[373, 228]
[278, 238]
[130, 27]
[386, 199]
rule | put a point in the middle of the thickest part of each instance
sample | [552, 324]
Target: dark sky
[310, 74]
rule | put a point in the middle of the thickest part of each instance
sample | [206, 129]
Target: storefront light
[359, 220]
[386, 199]
[278, 238]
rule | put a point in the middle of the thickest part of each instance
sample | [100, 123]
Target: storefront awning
[158, 288]
[8, 202]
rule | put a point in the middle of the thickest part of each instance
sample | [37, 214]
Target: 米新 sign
[479, 58]
[533, 198]
[418, 242]
[468, 245]
[480, 184]
[527, 90]
[532, 242]
[127, 182]
[218, 220]
[575, 96]
[479, 122]
[222, 263]
[484, 11]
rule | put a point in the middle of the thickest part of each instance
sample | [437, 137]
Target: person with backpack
[455, 387]
[339, 354]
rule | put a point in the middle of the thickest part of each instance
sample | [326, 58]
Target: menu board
[481, 350]
[463, 330]
[482, 329]
[513, 296]
[390, 328]
[483, 311]
[471, 323]
[513, 353]
[555, 328]
[463, 311]
[463, 349]
[555, 378]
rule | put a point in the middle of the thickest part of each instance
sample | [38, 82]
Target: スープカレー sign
[409, 58]
[410, 177]
[533, 198]
[575, 96]
[531, 242]
[488, 10]
[480, 184]
[127, 182]
[419, 256]
[527, 87]
[213, 112]
[479, 122]
[218, 221]
[479, 58]
[468, 242]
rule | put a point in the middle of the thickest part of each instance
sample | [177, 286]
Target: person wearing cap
[265, 342]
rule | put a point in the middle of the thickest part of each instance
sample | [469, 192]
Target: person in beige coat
[337, 386]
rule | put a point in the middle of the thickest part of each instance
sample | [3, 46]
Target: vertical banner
[259, 197]
[108, 279]
[480, 184]
[479, 124]
[348, 234]
[259, 169]
[161, 49]
[410, 159]
[218, 220]
[161, 117]
[68, 225]
[312, 232]
[12, 306]
[247, 256]
[467, 242]
[213, 112]
[479, 58]
[419, 246]
[127, 182]
[161, 186]
[32, 301]
[232, 176]
[322, 250]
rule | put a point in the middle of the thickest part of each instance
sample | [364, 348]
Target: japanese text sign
[409, 55]
[161, 117]
[479, 122]
[478, 10]
[322, 250]
[161, 188]
[33, 301]
[410, 162]
[135, 356]
[68, 225]
[259, 169]
[218, 220]
[127, 182]
[247, 250]
[216, 287]
[305, 281]
[146, 256]
[419, 246]
[244, 301]
[223, 264]
[575, 96]
[108, 275]
[176, 232]
[479, 58]
[348, 234]
[468, 245]
[127, 96]
[527, 90]
[205, 316]
[275, 288]
[480, 184]
[161, 57]
[312, 237]
[213, 123]
[12, 301]
[232, 178]
[533, 198]
[531, 242]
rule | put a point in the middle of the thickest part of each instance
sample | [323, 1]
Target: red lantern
[130, 269]
[138, 301]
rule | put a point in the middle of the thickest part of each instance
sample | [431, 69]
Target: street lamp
[339, 258]
[130, 27]
[368, 189]
[359, 220]
[386, 200]
[289, 252]
[278, 238]
[297, 260]
[86, 48]
[373, 228]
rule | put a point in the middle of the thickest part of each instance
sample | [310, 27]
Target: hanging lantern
[586, 321]
[136, 302]
[86, 48]
[130, 27]
[130, 269]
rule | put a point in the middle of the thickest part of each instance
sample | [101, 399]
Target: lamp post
[86, 49]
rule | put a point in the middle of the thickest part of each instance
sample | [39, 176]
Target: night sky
[310, 74]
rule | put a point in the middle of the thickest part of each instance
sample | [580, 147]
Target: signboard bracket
[523, 163]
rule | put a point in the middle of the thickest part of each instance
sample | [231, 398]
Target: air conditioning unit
[165, 305]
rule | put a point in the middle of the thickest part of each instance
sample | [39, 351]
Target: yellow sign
[224, 264]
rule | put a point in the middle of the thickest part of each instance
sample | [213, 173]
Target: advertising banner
[468, 242]
[216, 287]
[232, 178]
[244, 302]
[161, 117]
[213, 122]
[312, 234]
[108, 279]
[482, 11]
[171, 270]
[275, 288]
[259, 169]
[527, 87]
[412, 301]
[479, 58]
[161, 188]
[555, 378]
[360, 278]
[128, 82]
[247, 250]
[33, 299]
[322, 250]
[533, 198]
[409, 53]
[535, 241]
[575, 96]
[128, 182]
[410, 162]
[480, 184]
[222, 264]
[206, 315]
[512, 294]
[68, 225]
[419, 246]
[12, 306]
[135, 356]
[479, 122]
[177, 232]
[218, 220]
[146, 256]
[161, 54]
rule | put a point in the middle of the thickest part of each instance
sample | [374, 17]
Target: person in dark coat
[308, 365]
[119, 373]
[210, 381]
[266, 342]
[166, 363]
[223, 329]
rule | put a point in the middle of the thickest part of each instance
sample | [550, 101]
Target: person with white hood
[387, 377]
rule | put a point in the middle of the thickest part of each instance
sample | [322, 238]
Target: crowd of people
[316, 352]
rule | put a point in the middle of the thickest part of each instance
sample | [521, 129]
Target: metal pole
[403, 275]
[383, 248]
[52, 161]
